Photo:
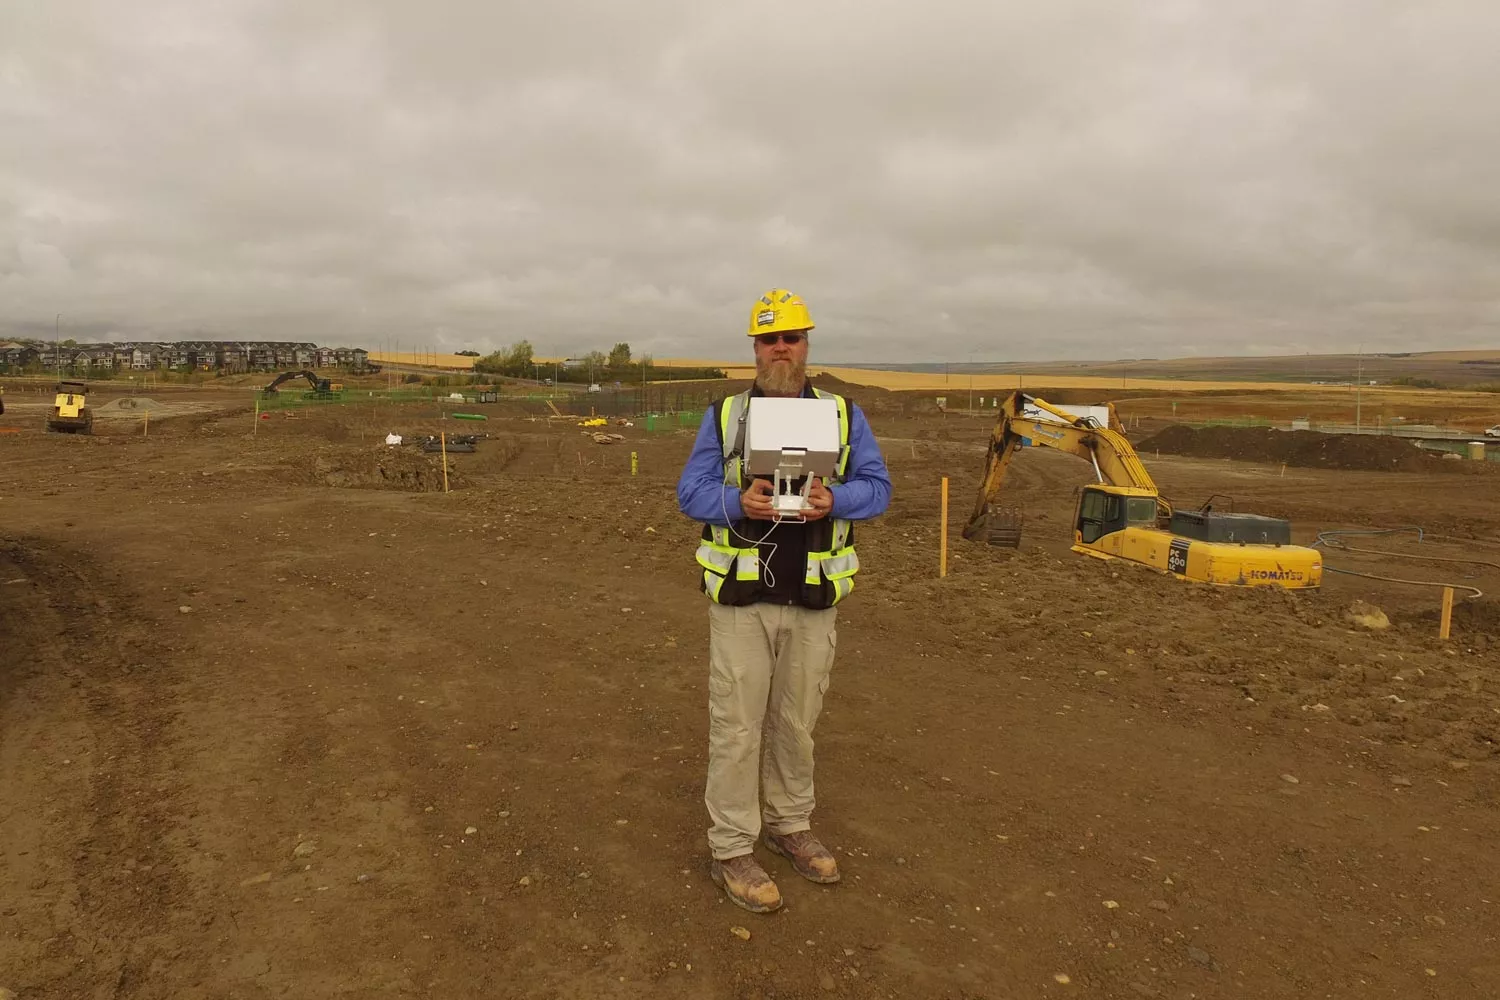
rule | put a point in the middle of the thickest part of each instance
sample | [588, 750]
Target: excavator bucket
[1001, 526]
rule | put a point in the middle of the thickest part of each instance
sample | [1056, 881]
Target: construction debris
[455, 442]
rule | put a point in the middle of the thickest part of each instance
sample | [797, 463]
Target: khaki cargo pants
[768, 668]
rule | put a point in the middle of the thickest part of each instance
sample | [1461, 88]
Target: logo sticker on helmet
[765, 317]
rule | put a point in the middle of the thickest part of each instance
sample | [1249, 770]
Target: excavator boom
[1114, 460]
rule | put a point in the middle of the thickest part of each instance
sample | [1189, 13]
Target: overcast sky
[1007, 180]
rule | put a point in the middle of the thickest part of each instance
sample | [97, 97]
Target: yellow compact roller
[70, 412]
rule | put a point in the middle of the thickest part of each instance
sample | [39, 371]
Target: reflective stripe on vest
[712, 584]
[716, 557]
[843, 463]
[839, 564]
[731, 414]
[716, 554]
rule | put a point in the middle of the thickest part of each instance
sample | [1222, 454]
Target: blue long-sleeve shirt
[864, 493]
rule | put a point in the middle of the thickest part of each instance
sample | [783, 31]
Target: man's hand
[821, 499]
[756, 501]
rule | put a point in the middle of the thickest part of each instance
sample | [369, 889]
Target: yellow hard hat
[777, 311]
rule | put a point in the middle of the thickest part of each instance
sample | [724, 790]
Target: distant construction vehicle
[322, 388]
[70, 412]
[1123, 516]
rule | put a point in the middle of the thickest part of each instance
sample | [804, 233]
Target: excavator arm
[318, 385]
[1106, 449]
[288, 376]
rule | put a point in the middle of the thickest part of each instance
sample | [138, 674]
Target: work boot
[746, 883]
[807, 854]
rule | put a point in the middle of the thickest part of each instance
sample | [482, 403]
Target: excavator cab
[1103, 510]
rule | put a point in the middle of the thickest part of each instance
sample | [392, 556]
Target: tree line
[619, 365]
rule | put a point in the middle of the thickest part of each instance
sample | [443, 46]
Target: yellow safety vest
[731, 565]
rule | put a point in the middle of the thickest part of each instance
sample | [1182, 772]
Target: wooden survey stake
[943, 534]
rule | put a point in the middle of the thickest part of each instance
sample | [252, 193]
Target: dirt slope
[1306, 449]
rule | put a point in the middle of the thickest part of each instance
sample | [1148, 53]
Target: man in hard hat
[773, 588]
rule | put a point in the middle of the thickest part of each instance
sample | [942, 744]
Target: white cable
[766, 562]
[724, 509]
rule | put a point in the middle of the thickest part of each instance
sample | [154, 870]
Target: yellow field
[960, 382]
[935, 382]
[427, 359]
[938, 382]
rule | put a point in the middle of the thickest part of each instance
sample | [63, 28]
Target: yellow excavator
[1123, 516]
[322, 388]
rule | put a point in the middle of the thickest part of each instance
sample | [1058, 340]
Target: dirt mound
[132, 404]
[1308, 449]
[380, 468]
[873, 400]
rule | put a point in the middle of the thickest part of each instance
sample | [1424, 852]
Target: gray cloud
[1077, 178]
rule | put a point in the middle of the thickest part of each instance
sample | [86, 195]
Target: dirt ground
[280, 718]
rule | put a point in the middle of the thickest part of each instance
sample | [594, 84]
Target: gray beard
[780, 380]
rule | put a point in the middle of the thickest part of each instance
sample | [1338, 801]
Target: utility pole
[56, 350]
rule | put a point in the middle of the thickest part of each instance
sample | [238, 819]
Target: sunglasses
[769, 339]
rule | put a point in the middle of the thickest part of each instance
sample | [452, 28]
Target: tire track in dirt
[115, 815]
